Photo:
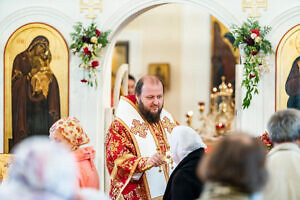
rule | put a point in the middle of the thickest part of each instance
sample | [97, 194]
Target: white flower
[253, 35]
[257, 39]
[94, 39]
[90, 47]
[99, 46]
[74, 50]
[85, 45]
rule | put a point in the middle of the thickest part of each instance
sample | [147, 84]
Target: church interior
[76, 58]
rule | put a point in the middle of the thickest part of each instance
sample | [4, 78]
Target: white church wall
[88, 104]
[196, 65]
[160, 30]
[189, 59]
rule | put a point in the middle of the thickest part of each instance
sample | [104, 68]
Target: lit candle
[189, 114]
[214, 90]
[220, 126]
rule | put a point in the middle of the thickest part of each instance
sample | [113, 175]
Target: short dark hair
[284, 126]
[130, 77]
[237, 160]
[140, 83]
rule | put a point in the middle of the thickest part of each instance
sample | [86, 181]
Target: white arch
[124, 15]
[136, 7]
[121, 17]
[283, 22]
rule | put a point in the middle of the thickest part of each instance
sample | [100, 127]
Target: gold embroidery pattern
[5, 163]
[139, 128]
[168, 124]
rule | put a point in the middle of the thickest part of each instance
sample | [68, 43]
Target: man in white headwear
[187, 149]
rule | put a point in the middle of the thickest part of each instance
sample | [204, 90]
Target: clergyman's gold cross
[254, 5]
[90, 6]
[139, 128]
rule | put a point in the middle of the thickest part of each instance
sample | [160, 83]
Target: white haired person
[187, 149]
[40, 170]
[70, 133]
[283, 160]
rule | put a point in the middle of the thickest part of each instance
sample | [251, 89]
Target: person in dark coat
[187, 149]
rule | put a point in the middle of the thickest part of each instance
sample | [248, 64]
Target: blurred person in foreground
[40, 171]
[283, 160]
[234, 170]
[69, 132]
[187, 149]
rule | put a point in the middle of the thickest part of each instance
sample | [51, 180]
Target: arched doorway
[128, 13]
[125, 15]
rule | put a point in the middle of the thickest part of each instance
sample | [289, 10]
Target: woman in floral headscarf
[69, 132]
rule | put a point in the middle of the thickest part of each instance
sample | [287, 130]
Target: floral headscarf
[71, 129]
[40, 170]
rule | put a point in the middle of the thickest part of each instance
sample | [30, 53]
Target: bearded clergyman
[137, 147]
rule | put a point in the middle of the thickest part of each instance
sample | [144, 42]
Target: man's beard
[148, 115]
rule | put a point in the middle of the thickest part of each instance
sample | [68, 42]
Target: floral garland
[88, 44]
[266, 141]
[250, 38]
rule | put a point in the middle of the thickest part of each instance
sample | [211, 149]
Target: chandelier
[219, 120]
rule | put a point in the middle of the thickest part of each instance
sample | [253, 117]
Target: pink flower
[98, 33]
[255, 31]
[95, 63]
[86, 51]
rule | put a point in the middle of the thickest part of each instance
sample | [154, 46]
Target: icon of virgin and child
[34, 91]
[292, 85]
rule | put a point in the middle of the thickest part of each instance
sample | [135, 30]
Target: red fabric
[119, 145]
[87, 172]
[208, 148]
[132, 98]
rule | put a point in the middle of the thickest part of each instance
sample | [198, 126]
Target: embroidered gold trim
[119, 161]
[139, 128]
[138, 154]
[158, 198]
[166, 123]
[129, 177]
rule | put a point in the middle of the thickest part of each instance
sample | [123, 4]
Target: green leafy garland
[88, 44]
[250, 37]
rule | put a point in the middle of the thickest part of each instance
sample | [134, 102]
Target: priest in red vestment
[137, 149]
